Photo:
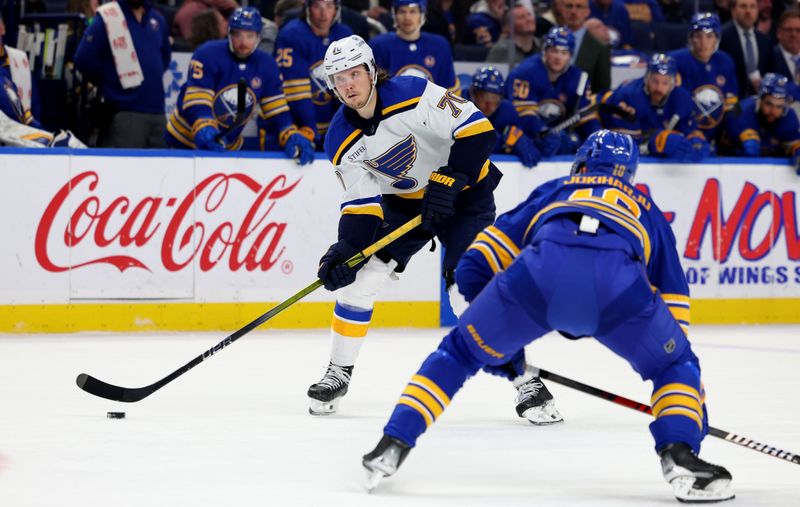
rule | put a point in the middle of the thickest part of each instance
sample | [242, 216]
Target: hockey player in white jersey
[401, 147]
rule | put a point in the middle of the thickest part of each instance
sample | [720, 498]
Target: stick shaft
[641, 407]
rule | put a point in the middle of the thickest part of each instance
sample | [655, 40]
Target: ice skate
[384, 460]
[535, 403]
[694, 480]
[325, 395]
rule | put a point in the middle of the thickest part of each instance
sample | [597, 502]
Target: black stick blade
[111, 392]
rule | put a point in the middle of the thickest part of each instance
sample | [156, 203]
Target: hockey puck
[115, 415]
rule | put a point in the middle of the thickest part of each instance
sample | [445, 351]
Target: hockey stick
[641, 407]
[111, 392]
[586, 111]
[241, 106]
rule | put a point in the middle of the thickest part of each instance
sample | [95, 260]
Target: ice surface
[235, 431]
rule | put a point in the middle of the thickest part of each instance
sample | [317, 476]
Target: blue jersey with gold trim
[419, 122]
[428, 57]
[532, 93]
[300, 53]
[712, 85]
[622, 208]
[649, 118]
[778, 139]
[210, 96]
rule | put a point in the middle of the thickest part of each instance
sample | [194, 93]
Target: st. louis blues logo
[319, 88]
[396, 162]
[710, 102]
[225, 104]
[551, 111]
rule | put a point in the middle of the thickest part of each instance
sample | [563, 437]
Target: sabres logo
[430, 61]
[396, 162]
[416, 71]
[225, 104]
[319, 88]
[710, 102]
[255, 83]
[551, 111]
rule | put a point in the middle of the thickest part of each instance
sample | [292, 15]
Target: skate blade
[716, 491]
[543, 415]
[317, 407]
[374, 477]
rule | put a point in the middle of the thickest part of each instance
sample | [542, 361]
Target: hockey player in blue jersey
[708, 74]
[515, 134]
[548, 86]
[207, 102]
[664, 123]
[412, 52]
[589, 255]
[299, 51]
[401, 147]
[765, 125]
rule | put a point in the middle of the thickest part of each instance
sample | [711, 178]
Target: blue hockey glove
[700, 149]
[439, 201]
[333, 271]
[569, 143]
[751, 148]
[521, 145]
[206, 139]
[299, 148]
[549, 144]
[671, 144]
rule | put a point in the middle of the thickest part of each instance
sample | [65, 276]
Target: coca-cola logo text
[253, 244]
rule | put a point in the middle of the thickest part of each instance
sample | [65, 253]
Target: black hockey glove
[438, 203]
[333, 270]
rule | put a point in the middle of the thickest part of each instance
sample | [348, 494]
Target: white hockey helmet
[348, 53]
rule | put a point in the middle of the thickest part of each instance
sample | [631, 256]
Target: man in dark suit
[591, 55]
[787, 54]
[750, 49]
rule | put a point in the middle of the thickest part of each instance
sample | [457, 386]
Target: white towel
[21, 75]
[126, 60]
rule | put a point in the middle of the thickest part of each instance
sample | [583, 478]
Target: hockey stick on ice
[111, 392]
[586, 111]
[641, 407]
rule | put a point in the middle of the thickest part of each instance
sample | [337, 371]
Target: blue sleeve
[88, 54]
[294, 66]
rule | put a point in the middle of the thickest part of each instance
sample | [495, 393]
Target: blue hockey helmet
[560, 37]
[662, 64]
[245, 18]
[775, 85]
[608, 152]
[423, 4]
[705, 22]
[489, 79]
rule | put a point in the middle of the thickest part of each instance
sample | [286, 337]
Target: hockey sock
[348, 329]
[678, 406]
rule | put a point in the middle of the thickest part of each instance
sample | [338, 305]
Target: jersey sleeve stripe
[473, 127]
[504, 256]
[348, 142]
[501, 237]
[488, 255]
[400, 107]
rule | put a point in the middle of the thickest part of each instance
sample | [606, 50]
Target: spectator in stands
[750, 50]
[723, 10]
[86, 7]
[590, 54]
[766, 126]
[286, 10]
[663, 123]
[548, 86]
[764, 23]
[515, 134]
[708, 74]
[207, 25]
[447, 18]
[130, 81]
[787, 54]
[182, 24]
[206, 117]
[523, 41]
[646, 11]
[299, 51]
[485, 22]
[409, 51]
[614, 16]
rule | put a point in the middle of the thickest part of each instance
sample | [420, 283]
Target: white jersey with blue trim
[419, 122]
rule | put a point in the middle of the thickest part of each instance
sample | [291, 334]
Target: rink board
[123, 240]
